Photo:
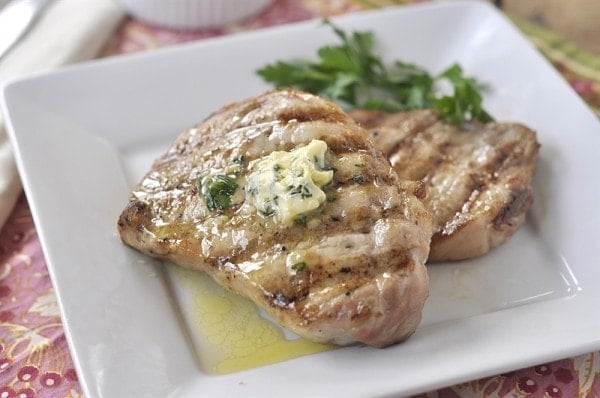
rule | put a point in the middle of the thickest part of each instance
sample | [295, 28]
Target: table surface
[34, 357]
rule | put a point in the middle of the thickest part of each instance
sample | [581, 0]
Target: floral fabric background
[34, 357]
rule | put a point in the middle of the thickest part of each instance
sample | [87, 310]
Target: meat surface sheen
[477, 176]
[350, 270]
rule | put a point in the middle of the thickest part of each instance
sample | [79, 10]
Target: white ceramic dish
[84, 135]
[193, 14]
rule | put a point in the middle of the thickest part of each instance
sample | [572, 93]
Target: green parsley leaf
[217, 191]
[466, 100]
[299, 266]
[354, 75]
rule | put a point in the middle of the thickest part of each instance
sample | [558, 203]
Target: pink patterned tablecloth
[34, 357]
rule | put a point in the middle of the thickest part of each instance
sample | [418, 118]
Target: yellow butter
[285, 185]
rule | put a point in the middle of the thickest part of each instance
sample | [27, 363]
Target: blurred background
[576, 20]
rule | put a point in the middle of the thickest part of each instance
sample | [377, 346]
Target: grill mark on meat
[462, 216]
[520, 199]
[317, 113]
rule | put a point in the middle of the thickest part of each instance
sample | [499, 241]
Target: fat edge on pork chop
[282, 198]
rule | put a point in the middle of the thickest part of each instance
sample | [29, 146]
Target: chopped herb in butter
[299, 266]
[217, 191]
[286, 185]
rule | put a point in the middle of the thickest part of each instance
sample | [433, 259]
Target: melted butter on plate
[229, 332]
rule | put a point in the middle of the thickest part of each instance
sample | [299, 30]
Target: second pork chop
[477, 176]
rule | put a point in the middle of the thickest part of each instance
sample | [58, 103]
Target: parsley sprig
[354, 75]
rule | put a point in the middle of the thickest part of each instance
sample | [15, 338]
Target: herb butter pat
[285, 185]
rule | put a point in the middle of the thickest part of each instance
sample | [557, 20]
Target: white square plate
[84, 135]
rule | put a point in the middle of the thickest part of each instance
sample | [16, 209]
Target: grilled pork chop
[282, 198]
[477, 177]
